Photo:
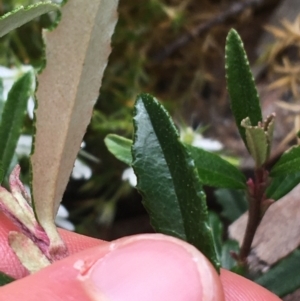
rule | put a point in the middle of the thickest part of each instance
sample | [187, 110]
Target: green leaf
[2, 100]
[257, 142]
[5, 279]
[280, 186]
[215, 171]
[168, 179]
[22, 15]
[120, 147]
[233, 202]
[288, 163]
[259, 139]
[217, 231]
[2, 175]
[240, 84]
[76, 55]
[223, 249]
[212, 169]
[13, 117]
[283, 279]
[227, 260]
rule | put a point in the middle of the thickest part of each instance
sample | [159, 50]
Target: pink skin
[142, 267]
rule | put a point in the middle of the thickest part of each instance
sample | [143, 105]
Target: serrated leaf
[215, 171]
[76, 53]
[167, 178]
[120, 147]
[257, 142]
[280, 186]
[283, 279]
[12, 119]
[22, 15]
[288, 163]
[5, 279]
[240, 84]
[212, 169]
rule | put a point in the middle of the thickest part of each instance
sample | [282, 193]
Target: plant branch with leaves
[170, 173]
[165, 167]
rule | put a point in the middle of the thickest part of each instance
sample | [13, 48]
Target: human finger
[143, 267]
[10, 264]
[237, 288]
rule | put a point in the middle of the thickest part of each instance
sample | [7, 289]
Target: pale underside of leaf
[27, 251]
[76, 52]
[21, 16]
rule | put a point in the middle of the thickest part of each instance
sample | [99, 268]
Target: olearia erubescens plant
[169, 171]
[170, 174]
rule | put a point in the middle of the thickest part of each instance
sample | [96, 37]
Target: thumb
[143, 267]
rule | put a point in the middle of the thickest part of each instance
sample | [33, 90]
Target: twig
[232, 11]
[257, 208]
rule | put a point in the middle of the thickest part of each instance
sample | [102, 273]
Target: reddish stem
[256, 197]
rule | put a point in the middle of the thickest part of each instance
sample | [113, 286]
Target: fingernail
[146, 269]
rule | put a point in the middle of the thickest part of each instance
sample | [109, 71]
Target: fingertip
[142, 267]
[238, 288]
[76, 242]
[159, 266]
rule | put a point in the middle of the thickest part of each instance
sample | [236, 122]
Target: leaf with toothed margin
[256, 141]
[259, 139]
[76, 56]
[212, 169]
[168, 179]
[12, 119]
[240, 84]
[23, 15]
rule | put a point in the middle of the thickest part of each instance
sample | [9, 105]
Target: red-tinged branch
[257, 208]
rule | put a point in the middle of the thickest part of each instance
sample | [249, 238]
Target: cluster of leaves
[142, 33]
[132, 68]
[171, 174]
